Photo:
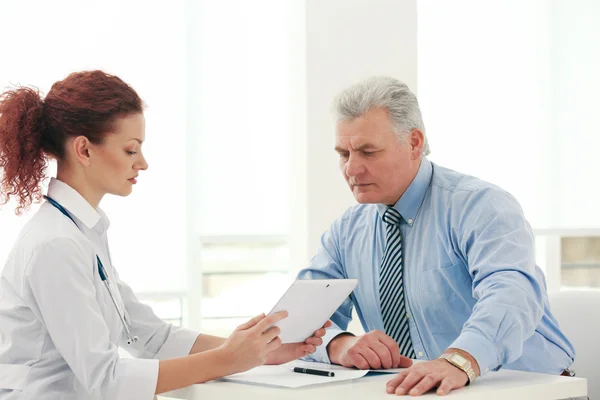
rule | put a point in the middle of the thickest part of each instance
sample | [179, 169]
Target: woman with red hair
[63, 309]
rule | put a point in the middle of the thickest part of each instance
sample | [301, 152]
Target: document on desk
[283, 376]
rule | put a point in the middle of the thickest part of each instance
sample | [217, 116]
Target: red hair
[31, 129]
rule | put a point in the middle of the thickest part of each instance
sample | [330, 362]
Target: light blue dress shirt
[470, 277]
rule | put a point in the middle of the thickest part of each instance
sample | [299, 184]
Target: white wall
[509, 92]
[344, 41]
[484, 89]
[242, 117]
[575, 108]
[147, 233]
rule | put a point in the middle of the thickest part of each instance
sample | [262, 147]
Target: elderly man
[445, 261]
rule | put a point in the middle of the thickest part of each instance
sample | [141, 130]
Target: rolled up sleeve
[179, 343]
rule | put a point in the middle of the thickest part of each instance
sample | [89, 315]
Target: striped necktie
[391, 288]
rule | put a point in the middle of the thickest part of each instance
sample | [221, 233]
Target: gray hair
[383, 92]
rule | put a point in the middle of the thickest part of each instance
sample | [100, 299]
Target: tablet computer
[310, 303]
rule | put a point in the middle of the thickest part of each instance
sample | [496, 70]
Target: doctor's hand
[373, 350]
[249, 345]
[292, 351]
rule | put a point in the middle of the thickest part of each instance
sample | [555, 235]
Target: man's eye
[132, 153]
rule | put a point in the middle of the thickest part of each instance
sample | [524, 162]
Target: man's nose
[354, 166]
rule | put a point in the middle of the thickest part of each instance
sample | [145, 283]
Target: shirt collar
[75, 204]
[409, 203]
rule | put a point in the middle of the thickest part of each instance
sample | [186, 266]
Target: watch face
[459, 360]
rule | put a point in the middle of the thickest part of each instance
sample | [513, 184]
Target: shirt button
[420, 354]
[410, 221]
[407, 315]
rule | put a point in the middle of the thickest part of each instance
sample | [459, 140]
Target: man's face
[377, 168]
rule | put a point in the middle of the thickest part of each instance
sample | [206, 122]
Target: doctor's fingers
[274, 344]
[270, 320]
[270, 334]
[251, 323]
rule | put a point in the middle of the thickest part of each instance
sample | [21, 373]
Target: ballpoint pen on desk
[313, 371]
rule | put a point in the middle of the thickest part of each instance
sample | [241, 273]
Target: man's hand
[292, 351]
[422, 377]
[373, 350]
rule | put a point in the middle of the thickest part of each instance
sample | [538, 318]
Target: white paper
[283, 376]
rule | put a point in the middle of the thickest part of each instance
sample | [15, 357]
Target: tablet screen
[310, 303]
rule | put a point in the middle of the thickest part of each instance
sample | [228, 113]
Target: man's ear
[416, 139]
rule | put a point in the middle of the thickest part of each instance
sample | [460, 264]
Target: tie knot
[392, 216]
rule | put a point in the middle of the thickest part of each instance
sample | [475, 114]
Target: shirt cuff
[321, 354]
[178, 344]
[482, 350]
[139, 378]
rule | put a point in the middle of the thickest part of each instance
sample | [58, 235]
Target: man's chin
[366, 198]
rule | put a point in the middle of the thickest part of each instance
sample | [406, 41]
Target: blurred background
[243, 178]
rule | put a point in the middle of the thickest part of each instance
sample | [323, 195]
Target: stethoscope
[102, 272]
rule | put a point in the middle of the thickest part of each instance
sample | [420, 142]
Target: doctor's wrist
[227, 360]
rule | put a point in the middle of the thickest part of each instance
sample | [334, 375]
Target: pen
[314, 371]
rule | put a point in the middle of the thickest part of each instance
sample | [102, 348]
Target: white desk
[500, 385]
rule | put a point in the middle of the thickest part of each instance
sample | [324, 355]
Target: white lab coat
[59, 330]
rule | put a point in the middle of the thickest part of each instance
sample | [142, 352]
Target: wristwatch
[461, 363]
